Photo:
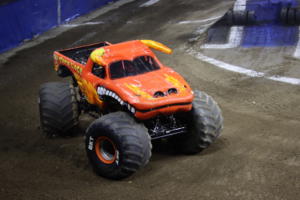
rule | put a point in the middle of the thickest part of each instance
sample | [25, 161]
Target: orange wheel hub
[106, 150]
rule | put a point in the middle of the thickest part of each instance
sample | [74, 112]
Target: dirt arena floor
[256, 157]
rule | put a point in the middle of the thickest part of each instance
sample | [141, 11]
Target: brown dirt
[256, 157]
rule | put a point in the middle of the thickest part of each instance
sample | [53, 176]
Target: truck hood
[153, 89]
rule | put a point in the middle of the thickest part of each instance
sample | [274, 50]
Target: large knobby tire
[58, 108]
[240, 17]
[290, 16]
[117, 146]
[206, 123]
[284, 15]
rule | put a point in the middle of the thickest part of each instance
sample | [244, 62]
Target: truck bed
[81, 54]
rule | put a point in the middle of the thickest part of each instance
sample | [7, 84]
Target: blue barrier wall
[73, 8]
[23, 19]
[270, 32]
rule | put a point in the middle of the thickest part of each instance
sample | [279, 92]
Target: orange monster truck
[135, 98]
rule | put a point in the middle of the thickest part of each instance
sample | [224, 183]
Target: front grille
[159, 94]
[172, 91]
[165, 133]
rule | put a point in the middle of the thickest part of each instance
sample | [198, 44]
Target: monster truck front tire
[117, 146]
[58, 108]
[206, 123]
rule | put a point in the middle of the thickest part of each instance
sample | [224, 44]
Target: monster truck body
[135, 98]
[132, 80]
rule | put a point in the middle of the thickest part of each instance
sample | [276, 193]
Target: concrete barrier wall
[23, 19]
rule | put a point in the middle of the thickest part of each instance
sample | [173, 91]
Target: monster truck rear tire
[117, 146]
[206, 123]
[58, 108]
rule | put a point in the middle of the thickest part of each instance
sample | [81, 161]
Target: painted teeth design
[132, 110]
[100, 90]
[104, 91]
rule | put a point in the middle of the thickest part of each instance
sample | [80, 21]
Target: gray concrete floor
[256, 157]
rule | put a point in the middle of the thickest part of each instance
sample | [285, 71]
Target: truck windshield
[139, 65]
